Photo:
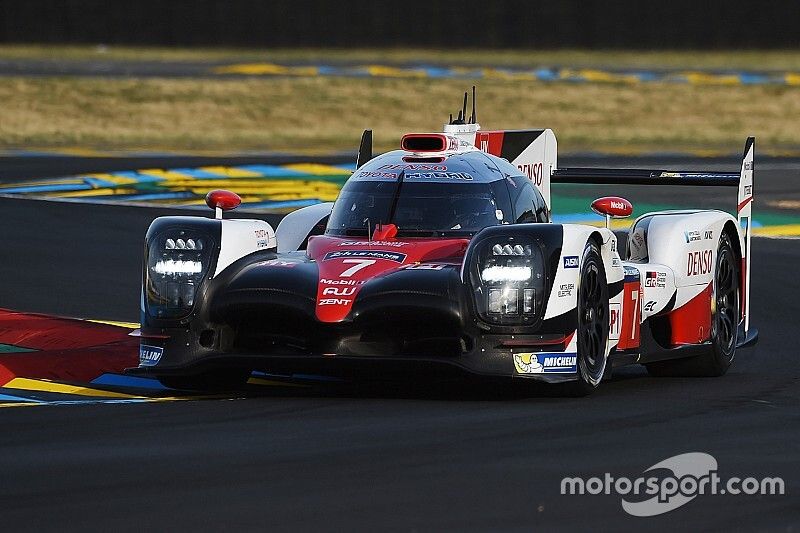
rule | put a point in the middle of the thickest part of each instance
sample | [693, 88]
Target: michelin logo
[546, 363]
[150, 355]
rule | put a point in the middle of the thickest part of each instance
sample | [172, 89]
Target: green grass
[671, 59]
[330, 113]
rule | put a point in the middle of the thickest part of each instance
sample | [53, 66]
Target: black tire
[724, 323]
[593, 323]
[211, 381]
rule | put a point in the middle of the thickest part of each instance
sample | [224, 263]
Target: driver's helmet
[472, 212]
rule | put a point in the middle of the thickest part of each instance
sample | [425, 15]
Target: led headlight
[504, 301]
[507, 277]
[177, 262]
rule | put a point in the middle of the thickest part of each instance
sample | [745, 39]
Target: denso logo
[571, 261]
[533, 171]
[700, 263]
[437, 168]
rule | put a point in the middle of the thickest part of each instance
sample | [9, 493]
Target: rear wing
[742, 180]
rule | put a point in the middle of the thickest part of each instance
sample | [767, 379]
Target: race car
[441, 258]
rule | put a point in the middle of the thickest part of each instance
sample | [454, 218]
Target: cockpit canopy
[457, 195]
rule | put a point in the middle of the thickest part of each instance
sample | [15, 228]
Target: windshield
[421, 209]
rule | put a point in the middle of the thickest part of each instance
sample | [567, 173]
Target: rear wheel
[724, 323]
[219, 380]
[593, 323]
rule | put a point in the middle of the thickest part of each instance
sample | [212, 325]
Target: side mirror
[221, 200]
[612, 207]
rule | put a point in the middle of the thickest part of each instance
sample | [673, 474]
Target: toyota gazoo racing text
[441, 257]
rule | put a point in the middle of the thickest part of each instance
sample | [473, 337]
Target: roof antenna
[464, 112]
[474, 118]
[451, 118]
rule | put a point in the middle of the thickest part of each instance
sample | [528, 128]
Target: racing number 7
[636, 319]
[358, 264]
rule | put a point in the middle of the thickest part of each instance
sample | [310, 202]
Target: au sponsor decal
[338, 291]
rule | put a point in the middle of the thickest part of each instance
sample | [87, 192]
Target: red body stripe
[691, 323]
[490, 141]
[631, 323]
[744, 203]
[743, 291]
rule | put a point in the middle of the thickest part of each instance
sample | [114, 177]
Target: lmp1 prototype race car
[441, 257]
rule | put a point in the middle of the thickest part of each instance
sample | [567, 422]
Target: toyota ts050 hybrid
[441, 256]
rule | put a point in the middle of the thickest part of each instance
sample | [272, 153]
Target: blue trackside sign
[570, 261]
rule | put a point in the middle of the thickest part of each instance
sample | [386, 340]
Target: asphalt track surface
[401, 456]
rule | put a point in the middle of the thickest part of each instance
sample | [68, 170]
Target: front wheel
[593, 323]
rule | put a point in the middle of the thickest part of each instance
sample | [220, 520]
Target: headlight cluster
[177, 261]
[509, 279]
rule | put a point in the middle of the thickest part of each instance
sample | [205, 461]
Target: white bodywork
[543, 151]
[241, 237]
[294, 228]
[564, 296]
[684, 245]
